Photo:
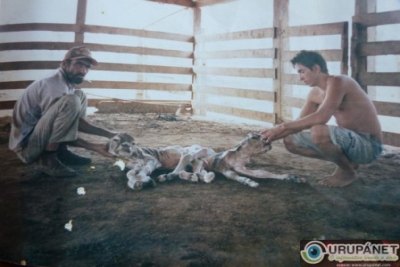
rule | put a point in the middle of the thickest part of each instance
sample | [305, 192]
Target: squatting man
[357, 138]
[49, 115]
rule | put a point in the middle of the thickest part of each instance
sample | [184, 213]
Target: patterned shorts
[359, 148]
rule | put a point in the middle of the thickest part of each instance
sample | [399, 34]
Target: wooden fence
[339, 55]
[362, 48]
[234, 71]
[101, 47]
[198, 92]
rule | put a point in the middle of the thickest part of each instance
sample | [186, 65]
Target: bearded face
[76, 70]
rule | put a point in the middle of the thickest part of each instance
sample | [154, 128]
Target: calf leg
[199, 173]
[139, 175]
[198, 169]
[184, 160]
[241, 179]
[262, 174]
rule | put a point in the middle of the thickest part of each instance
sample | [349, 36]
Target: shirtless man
[357, 138]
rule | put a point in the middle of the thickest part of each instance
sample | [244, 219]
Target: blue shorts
[359, 148]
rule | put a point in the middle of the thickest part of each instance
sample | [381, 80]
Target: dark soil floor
[187, 224]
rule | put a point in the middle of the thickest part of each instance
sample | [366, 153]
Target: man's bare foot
[340, 178]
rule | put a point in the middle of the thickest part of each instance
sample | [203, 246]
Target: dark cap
[80, 52]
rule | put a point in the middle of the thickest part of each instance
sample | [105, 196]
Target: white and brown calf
[204, 162]
[142, 162]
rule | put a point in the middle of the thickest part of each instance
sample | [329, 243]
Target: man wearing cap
[49, 115]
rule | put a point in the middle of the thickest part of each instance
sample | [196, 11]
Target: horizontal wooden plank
[187, 3]
[110, 85]
[95, 29]
[328, 54]
[191, 3]
[139, 33]
[34, 65]
[137, 85]
[96, 48]
[242, 113]
[242, 93]
[140, 50]
[293, 102]
[202, 3]
[14, 85]
[392, 139]
[144, 68]
[94, 102]
[381, 18]
[238, 72]
[36, 46]
[242, 53]
[292, 79]
[56, 27]
[135, 106]
[319, 29]
[387, 109]
[7, 104]
[380, 78]
[29, 65]
[379, 48]
[248, 34]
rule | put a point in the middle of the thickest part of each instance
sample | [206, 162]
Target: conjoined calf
[193, 163]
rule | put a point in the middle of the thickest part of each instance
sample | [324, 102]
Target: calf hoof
[135, 185]
[296, 179]
[184, 175]
[194, 178]
[161, 178]
[253, 184]
[208, 177]
[139, 185]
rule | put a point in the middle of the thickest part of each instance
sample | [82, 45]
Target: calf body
[203, 162]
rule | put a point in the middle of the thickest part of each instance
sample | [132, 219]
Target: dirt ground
[187, 224]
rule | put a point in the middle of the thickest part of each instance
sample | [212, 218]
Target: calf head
[121, 145]
[253, 144]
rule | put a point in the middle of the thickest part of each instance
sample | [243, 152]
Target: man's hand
[274, 133]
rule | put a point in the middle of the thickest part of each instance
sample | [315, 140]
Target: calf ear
[124, 137]
[254, 135]
[113, 144]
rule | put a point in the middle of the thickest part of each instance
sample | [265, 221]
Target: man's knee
[320, 134]
[289, 143]
[83, 102]
[72, 103]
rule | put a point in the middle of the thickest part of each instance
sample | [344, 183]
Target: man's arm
[334, 95]
[311, 104]
[102, 149]
[87, 127]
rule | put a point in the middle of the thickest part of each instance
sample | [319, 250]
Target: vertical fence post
[281, 21]
[80, 21]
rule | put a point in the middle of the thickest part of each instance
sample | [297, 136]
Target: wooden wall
[365, 49]
[332, 55]
[139, 80]
[275, 81]
[223, 87]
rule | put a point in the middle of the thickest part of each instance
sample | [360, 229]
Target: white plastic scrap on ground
[120, 163]
[68, 226]
[81, 191]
